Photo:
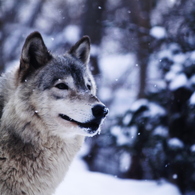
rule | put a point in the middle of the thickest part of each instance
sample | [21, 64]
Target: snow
[192, 79]
[161, 131]
[125, 136]
[192, 99]
[115, 65]
[125, 162]
[172, 2]
[133, 131]
[175, 143]
[179, 58]
[175, 176]
[153, 108]
[127, 118]
[157, 85]
[80, 181]
[156, 109]
[71, 34]
[105, 93]
[192, 55]
[122, 102]
[138, 104]
[158, 32]
[175, 69]
[166, 53]
[179, 81]
[192, 148]
[95, 50]
[122, 139]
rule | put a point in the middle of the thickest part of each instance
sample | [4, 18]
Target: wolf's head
[60, 90]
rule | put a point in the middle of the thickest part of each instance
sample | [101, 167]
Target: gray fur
[37, 139]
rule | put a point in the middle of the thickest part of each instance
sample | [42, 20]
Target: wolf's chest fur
[34, 169]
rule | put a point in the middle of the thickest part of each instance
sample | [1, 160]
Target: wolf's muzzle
[99, 112]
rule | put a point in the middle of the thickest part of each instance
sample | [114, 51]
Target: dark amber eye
[89, 87]
[62, 86]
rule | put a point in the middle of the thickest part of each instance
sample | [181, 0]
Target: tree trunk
[135, 171]
[92, 26]
[140, 16]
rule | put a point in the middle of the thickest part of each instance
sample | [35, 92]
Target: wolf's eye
[89, 87]
[62, 86]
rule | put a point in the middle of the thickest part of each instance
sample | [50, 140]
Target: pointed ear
[81, 50]
[34, 53]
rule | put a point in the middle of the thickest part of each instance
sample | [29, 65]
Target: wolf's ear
[34, 53]
[81, 50]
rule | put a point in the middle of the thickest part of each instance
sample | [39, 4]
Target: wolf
[48, 105]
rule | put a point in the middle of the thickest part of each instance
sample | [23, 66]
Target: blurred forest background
[143, 59]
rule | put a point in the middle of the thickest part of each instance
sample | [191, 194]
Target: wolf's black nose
[99, 110]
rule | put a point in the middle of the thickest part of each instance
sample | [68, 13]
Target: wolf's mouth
[91, 126]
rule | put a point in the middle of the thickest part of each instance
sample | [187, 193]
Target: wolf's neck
[37, 137]
[48, 157]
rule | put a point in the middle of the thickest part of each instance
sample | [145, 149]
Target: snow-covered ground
[79, 181]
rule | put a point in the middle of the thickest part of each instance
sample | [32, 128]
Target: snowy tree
[158, 131]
